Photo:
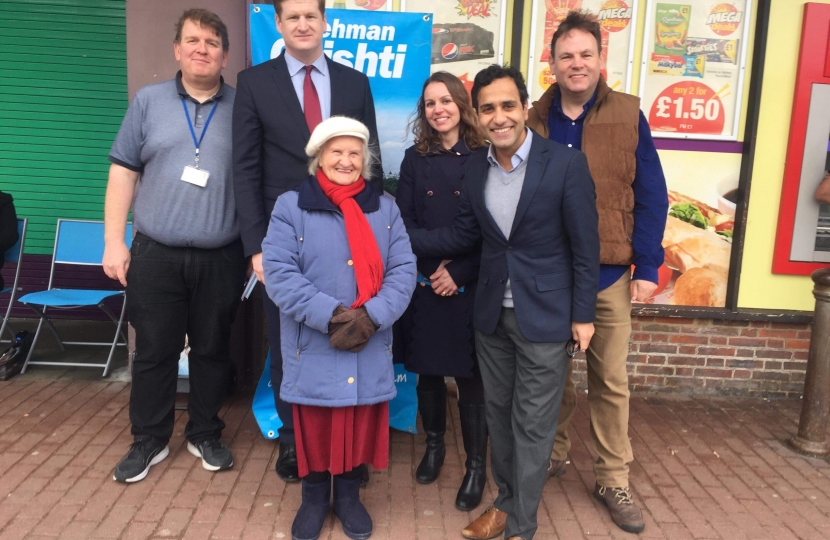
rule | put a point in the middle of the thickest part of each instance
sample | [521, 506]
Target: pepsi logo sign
[449, 51]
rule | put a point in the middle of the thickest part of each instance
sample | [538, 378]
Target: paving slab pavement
[704, 468]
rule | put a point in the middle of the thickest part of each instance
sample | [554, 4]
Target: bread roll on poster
[690, 247]
[701, 286]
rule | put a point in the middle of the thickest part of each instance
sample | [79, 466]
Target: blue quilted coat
[309, 272]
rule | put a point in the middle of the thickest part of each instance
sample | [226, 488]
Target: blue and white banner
[264, 405]
[392, 49]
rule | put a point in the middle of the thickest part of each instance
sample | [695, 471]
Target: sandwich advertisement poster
[392, 49]
[698, 236]
[691, 77]
[617, 19]
[467, 35]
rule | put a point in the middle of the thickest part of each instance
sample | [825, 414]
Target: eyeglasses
[572, 348]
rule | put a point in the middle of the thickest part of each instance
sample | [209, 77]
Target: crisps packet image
[671, 28]
[695, 66]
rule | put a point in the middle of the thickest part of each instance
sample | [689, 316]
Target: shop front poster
[392, 49]
[617, 19]
[698, 236]
[467, 35]
[692, 67]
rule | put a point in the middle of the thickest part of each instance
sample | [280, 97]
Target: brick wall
[715, 357]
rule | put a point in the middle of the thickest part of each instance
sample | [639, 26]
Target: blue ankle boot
[357, 524]
[311, 516]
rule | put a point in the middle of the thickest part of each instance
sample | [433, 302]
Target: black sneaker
[215, 455]
[144, 453]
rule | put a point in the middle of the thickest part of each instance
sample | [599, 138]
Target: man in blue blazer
[532, 202]
[278, 104]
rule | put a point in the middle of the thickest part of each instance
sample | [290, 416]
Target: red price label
[687, 107]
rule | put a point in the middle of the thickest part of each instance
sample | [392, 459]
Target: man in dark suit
[532, 203]
[278, 104]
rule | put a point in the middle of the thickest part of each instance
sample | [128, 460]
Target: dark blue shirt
[651, 200]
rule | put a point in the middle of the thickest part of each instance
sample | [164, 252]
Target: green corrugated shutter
[63, 93]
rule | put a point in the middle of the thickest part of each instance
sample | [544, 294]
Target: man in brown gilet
[582, 112]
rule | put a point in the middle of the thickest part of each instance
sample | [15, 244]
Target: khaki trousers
[607, 388]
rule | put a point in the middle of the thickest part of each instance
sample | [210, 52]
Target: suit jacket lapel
[286, 90]
[536, 161]
[480, 169]
[337, 89]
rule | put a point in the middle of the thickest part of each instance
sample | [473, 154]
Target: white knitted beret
[336, 126]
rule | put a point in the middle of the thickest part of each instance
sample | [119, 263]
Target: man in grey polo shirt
[185, 271]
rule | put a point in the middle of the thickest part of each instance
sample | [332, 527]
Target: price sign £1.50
[687, 107]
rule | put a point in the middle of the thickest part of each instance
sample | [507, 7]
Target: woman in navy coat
[435, 336]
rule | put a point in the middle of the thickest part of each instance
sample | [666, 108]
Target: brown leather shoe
[490, 524]
[624, 512]
[556, 467]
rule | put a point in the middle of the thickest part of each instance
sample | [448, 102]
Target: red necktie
[311, 102]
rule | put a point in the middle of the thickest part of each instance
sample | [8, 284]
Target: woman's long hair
[426, 137]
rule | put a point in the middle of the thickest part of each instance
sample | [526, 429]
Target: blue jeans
[173, 291]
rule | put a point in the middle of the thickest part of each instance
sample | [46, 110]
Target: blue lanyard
[198, 143]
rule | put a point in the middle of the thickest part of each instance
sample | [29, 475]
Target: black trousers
[285, 410]
[171, 292]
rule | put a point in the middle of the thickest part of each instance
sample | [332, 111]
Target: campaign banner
[467, 35]
[391, 49]
[691, 79]
[617, 19]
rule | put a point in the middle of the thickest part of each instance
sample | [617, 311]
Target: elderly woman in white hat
[338, 265]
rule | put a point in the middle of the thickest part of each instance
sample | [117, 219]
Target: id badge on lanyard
[193, 174]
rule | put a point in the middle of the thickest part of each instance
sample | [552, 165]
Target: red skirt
[338, 439]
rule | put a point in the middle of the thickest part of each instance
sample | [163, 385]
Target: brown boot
[624, 512]
[556, 467]
[490, 524]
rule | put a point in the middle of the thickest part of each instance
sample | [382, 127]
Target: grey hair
[370, 157]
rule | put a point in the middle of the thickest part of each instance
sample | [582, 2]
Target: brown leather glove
[353, 331]
[337, 311]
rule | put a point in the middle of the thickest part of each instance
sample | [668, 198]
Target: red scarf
[368, 265]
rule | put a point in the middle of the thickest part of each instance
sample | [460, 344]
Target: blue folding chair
[14, 254]
[77, 243]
